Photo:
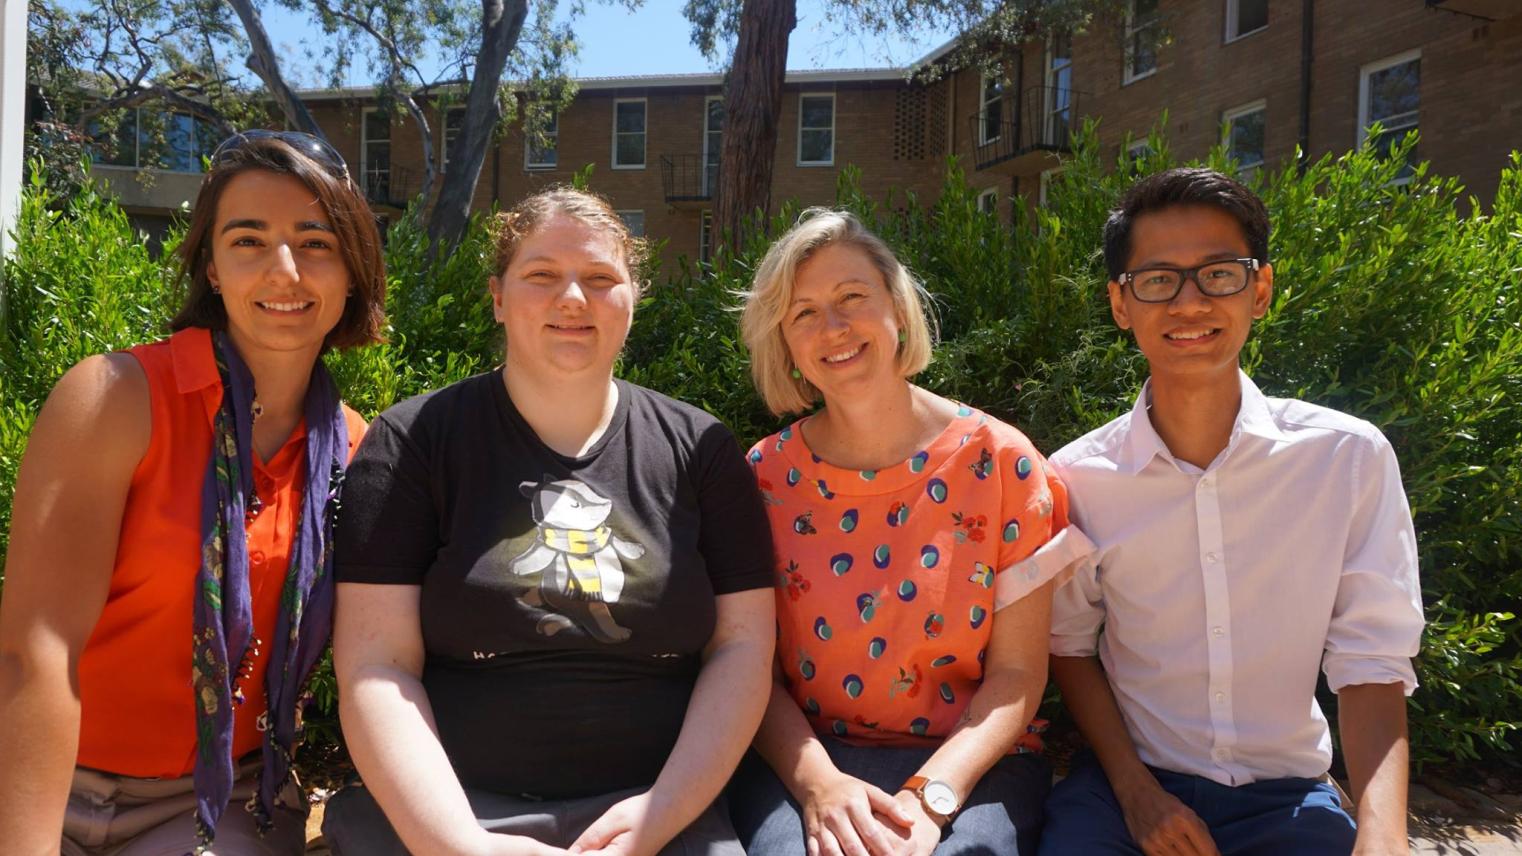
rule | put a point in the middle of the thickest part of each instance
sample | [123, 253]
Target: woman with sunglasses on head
[917, 546]
[168, 586]
[554, 623]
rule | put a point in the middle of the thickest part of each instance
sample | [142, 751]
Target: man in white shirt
[1243, 543]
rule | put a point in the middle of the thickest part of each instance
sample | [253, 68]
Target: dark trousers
[354, 824]
[1274, 817]
[1001, 817]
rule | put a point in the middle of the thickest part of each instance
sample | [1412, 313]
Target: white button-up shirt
[1221, 591]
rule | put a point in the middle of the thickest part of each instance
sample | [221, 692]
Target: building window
[454, 120]
[186, 140]
[375, 154]
[541, 153]
[816, 130]
[990, 108]
[705, 239]
[1389, 92]
[1058, 120]
[1243, 134]
[119, 148]
[988, 201]
[1047, 177]
[629, 133]
[1244, 17]
[713, 140]
[635, 220]
[1143, 31]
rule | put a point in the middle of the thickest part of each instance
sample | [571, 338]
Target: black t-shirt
[565, 601]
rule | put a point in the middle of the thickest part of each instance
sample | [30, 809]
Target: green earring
[901, 337]
[797, 375]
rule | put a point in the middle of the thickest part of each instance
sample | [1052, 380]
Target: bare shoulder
[103, 403]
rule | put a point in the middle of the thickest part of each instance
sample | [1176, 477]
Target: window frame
[623, 214]
[1044, 181]
[364, 151]
[645, 134]
[1233, 16]
[1128, 73]
[554, 138]
[799, 161]
[990, 193]
[707, 100]
[1235, 113]
[444, 141]
[984, 78]
[1049, 77]
[705, 240]
[1367, 71]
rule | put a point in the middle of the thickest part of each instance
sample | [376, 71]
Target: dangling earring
[902, 337]
[797, 375]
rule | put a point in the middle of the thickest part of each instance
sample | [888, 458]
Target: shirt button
[1205, 481]
[1212, 558]
[1218, 631]
[256, 557]
[1220, 697]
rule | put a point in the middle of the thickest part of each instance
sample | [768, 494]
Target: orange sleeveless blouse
[138, 715]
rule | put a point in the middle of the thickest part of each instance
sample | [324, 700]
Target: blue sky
[655, 40]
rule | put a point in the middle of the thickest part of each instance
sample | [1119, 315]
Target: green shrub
[1391, 305]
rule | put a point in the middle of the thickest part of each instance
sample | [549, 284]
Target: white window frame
[799, 150]
[1235, 113]
[1046, 179]
[1364, 120]
[992, 206]
[645, 149]
[444, 134]
[1139, 149]
[364, 149]
[1233, 15]
[984, 138]
[623, 214]
[553, 137]
[1127, 73]
[705, 240]
[707, 100]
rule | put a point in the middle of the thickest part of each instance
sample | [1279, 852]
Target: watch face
[941, 798]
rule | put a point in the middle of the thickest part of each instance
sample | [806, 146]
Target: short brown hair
[512, 226]
[354, 224]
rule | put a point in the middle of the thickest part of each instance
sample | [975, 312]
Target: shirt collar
[195, 366]
[1143, 443]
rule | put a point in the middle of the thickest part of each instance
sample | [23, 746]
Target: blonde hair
[771, 293]
[513, 226]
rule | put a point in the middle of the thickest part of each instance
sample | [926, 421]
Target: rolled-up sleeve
[1042, 522]
[1377, 620]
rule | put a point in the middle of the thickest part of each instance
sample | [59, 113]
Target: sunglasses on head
[316, 148]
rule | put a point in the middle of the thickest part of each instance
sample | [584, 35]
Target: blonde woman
[917, 543]
[554, 617]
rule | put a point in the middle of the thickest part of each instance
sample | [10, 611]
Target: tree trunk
[262, 61]
[752, 110]
[501, 22]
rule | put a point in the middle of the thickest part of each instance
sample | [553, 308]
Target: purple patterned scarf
[223, 622]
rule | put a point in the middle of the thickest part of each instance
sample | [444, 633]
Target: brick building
[1262, 76]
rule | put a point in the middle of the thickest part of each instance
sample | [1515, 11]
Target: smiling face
[841, 327]
[566, 300]
[277, 264]
[1192, 334]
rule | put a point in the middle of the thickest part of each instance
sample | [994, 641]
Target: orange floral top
[889, 581]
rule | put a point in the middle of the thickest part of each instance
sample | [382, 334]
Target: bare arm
[389, 728]
[725, 708]
[1372, 722]
[1158, 822]
[68, 507]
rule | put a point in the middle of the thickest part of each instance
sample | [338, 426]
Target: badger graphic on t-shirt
[576, 556]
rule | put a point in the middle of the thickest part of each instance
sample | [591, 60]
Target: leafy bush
[1391, 305]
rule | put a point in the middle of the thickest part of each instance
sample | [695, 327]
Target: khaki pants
[110, 815]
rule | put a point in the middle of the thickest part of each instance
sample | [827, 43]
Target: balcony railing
[389, 185]
[688, 178]
[1043, 119]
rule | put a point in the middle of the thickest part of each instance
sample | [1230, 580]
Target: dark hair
[353, 223]
[1184, 186]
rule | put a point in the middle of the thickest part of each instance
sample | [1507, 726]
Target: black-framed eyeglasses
[1214, 279]
[316, 148]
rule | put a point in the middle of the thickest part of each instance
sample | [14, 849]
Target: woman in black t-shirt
[554, 622]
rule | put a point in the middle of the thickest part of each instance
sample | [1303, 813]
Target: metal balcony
[1024, 136]
[688, 181]
[391, 186]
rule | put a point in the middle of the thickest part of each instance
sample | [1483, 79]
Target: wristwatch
[936, 796]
